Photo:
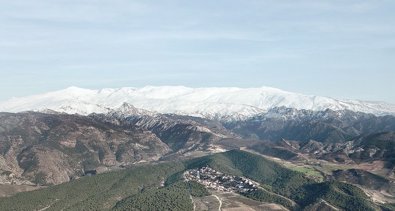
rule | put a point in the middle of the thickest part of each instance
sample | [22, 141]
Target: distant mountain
[213, 103]
[365, 179]
[303, 125]
[361, 149]
[369, 148]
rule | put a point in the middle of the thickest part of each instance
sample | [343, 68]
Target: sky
[336, 48]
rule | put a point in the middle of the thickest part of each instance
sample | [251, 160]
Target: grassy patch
[308, 171]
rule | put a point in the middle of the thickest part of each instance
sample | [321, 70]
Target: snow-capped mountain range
[234, 103]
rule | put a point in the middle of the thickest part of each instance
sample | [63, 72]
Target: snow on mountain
[231, 102]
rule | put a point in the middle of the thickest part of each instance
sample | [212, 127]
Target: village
[219, 181]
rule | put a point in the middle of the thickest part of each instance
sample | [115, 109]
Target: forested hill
[134, 188]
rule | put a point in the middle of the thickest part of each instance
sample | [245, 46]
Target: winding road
[193, 202]
[220, 202]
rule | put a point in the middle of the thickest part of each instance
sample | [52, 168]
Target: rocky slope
[362, 149]
[365, 179]
[327, 126]
[180, 133]
[51, 148]
[43, 148]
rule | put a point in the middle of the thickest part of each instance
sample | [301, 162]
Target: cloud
[144, 37]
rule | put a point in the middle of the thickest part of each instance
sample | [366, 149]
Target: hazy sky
[337, 48]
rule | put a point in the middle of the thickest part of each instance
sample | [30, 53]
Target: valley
[129, 159]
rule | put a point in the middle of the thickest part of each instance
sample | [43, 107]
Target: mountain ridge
[213, 103]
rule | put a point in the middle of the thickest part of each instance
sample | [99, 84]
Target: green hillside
[342, 195]
[99, 192]
[173, 197]
[274, 176]
[139, 188]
